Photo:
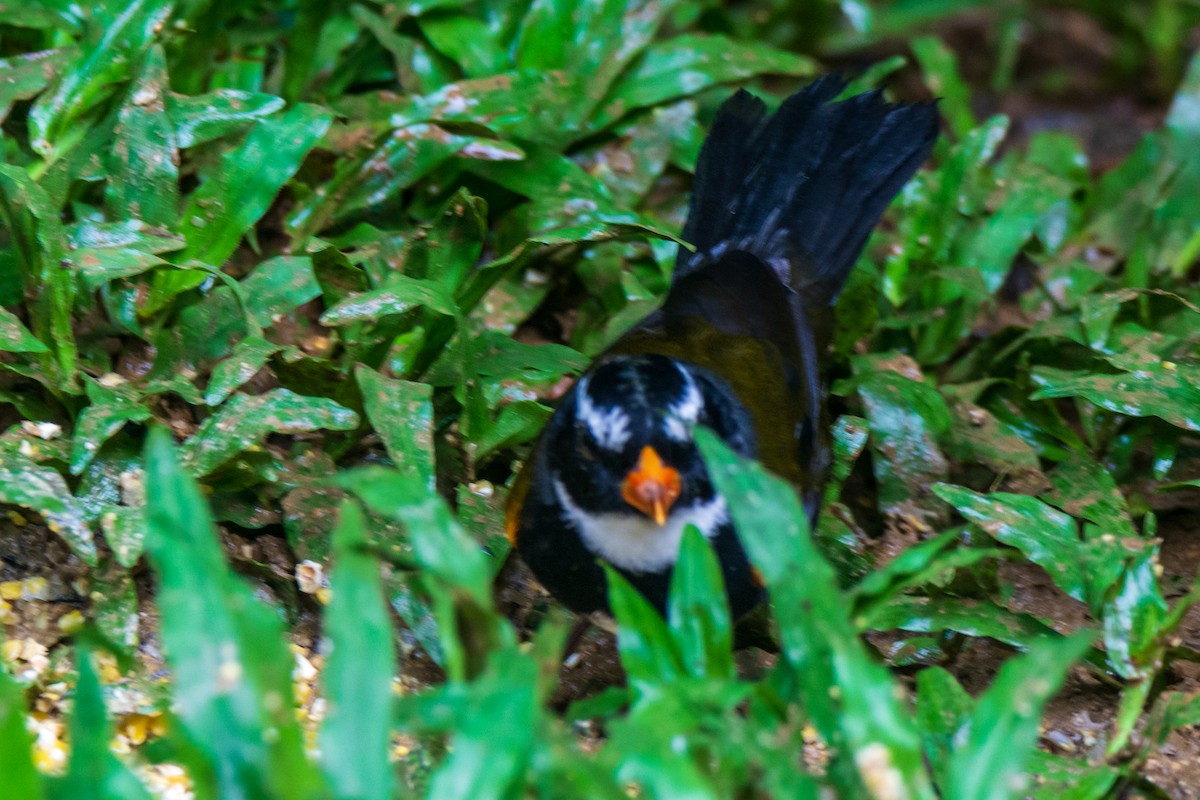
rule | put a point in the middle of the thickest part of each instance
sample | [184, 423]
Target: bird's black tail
[802, 188]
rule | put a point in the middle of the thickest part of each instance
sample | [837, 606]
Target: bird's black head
[623, 439]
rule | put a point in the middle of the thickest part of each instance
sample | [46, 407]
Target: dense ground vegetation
[289, 287]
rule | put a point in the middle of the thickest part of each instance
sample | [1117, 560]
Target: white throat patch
[632, 541]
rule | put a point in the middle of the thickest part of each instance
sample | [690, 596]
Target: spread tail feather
[801, 189]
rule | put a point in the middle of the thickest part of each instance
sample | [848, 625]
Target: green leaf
[100, 421]
[26, 75]
[142, 181]
[119, 36]
[16, 743]
[100, 265]
[970, 617]
[232, 674]
[15, 337]
[93, 770]
[401, 412]
[1059, 778]
[698, 610]
[460, 570]
[204, 117]
[649, 653]
[866, 726]
[907, 418]
[526, 106]
[1133, 619]
[493, 742]
[115, 606]
[245, 419]
[410, 153]
[685, 65]
[40, 244]
[990, 762]
[1169, 392]
[235, 196]
[248, 357]
[466, 40]
[1085, 490]
[357, 679]
[26, 484]
[943, 710]
[595, 41]
[1048, 537]
[942, 77]
[399, 295]
[517, 423]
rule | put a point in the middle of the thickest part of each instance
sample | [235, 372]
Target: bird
[782, 205]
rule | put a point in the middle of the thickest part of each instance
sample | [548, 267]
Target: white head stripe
[682, 414]
[610, 427]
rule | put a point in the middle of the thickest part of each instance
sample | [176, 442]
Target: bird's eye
[588, 446]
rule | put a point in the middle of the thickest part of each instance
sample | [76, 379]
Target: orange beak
[651, 486]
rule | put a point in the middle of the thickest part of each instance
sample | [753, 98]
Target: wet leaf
[990, 760]
[973, 618]
[357, 679]
[1047, 536]
[246, 419]
[1170, 392]
[15, 337]
[27, 484]
[402, 414]
[687, 64]
[122, 35]
[232, 675]
[236, 196]
[401, 294]
[866, 719]
[100, 421]
[143, 175]
[649, 653]
[1085, 490]
[248, 357]
[28, 74]
[976, 435]
[907, 419]
[204, 117]
[698, 611]
[1133, 618]
[16, 743]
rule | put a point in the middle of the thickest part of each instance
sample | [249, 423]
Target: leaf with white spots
[1165, 389]
[27, 484]
[246, 419]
